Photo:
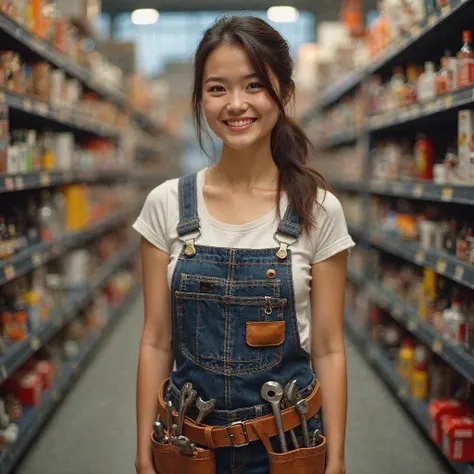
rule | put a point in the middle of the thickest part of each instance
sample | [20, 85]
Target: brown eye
[216, 89]
[256, 85]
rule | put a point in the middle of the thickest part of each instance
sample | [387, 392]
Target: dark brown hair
[267, 51]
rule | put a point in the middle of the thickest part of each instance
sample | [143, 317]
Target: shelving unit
[424, 42]
[385, 368]
[26, 112]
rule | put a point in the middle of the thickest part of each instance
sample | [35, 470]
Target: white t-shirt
[159, 218]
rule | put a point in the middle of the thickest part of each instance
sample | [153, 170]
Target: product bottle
[442, 303]
[452, 66]
[450, 237]
[420, 379]
[48, 152]
[45, 217]
[461, 243]
[430, 7]
[406, 359]
[455, 323]
[423, 158]
[398, 88]
[442, 78]
[32, 224]
[411, 86]
[469, 245]
[426, 89]
[466, 61]
[4, 253]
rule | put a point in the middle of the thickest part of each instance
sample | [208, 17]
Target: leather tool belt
[168, 459]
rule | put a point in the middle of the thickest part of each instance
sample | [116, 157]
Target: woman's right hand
[144, 467]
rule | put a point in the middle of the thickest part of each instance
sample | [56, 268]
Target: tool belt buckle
[244, 431]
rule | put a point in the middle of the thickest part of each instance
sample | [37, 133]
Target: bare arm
[328, 352]
[155, 358]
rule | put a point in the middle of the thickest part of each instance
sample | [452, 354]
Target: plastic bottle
[426, 89]
[442, 78]
[411, 86]
[406, 359]
[455, 323]
[423, 157]
[45, 217]
[398, 88]
[420, 379]
[452, 66]
[466, 61]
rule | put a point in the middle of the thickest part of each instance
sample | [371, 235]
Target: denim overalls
[215, 292]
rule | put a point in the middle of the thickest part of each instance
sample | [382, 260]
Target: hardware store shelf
[33, 419]
[62, 118]
[36, 255]
[18, 354]
[442, 262]
[374, 354]
[15, 36]
[454, 354]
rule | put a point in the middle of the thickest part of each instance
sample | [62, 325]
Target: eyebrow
[223, 79]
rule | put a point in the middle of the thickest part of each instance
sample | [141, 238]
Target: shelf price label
[448, 101]
[27, 105]
[42, 108]
[420, 257]
[397, 311]
[36, 259]
[45, 179]
[412, 325]
[35, 343]
[458, 273]
[437, 346]
[447, 194]
[9, 184]
[418, 190]
[432, 20]
[9, 271]
[19, 183]
[441, 265]
[446, 9]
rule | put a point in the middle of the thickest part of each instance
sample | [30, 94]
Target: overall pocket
[213, 330]
[168, 459]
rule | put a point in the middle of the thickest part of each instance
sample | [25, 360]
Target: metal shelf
[62, 118]
[25, 41]
[426, 191]
[355, 186]
[346, 137]
[376, 357]
[36, 255]
[18, 354]
[443, 263]
[451, 101]
[341, 88]
[33, 419]
[456, 355]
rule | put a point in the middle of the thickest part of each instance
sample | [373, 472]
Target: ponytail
[290, 151]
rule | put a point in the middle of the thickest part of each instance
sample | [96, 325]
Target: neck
[251, 167]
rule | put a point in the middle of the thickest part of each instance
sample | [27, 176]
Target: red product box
[29, 389]
[458, 438]
[44, 369]
[439, 410]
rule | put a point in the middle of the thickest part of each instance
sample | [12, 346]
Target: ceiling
[323, 9]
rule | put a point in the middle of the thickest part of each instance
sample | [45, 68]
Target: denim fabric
[215, 293]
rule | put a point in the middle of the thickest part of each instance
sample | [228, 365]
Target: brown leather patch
[265, 334]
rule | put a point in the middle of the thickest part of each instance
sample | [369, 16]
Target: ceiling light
[283, 14]
[145, 16]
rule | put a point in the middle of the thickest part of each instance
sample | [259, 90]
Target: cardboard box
[458, 438]
[463, 174]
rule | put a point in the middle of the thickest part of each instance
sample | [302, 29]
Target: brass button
[282, 254]
[271, 273]
[189, 251]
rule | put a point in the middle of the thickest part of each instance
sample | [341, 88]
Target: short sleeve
[151, 222]
[331, 235]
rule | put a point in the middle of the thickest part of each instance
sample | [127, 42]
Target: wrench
[303, 408]
[169, 418]
[205, 408]
[188, 395]
[159, 431]
[289, 401]
[185, 445]
[315, 438]
[272, 392]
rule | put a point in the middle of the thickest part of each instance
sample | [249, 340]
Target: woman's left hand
[336, 468]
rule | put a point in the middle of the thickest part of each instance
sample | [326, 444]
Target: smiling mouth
[236, 124]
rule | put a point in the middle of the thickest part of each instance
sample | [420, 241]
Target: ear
[288, 94]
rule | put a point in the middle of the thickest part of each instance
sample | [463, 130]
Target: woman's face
[237, 107]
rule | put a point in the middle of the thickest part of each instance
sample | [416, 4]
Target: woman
[248, 257]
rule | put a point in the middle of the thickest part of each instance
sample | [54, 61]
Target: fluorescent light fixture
[283, 14]
[145, 16]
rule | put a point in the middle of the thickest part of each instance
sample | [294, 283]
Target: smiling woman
[244, 269]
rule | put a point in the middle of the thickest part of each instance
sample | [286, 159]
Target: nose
[237, 103]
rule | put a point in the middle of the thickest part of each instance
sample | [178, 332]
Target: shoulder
[327, 206]
[163, 192]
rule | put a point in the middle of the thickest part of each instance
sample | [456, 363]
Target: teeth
[240, 123]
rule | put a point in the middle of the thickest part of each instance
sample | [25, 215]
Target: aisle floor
[93, 432]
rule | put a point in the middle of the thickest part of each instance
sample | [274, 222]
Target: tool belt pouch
[169, 459]
[302, 461]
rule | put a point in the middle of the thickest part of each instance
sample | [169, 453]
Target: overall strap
[188, 214]
[290, 224]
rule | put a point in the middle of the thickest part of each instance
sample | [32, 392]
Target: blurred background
[95, 113]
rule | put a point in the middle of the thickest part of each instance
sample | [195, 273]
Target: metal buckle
[244, 430]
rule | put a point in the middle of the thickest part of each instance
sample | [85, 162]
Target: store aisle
[94, 430]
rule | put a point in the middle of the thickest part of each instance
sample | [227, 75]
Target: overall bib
[234, 328]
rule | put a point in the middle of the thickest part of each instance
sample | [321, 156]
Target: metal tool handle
[302, 407]
[187, 399]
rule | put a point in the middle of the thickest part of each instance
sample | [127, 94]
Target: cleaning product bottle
[406, 358]
[426, 89]
[423, 157]
[420, 379]
[455, 323]
[466, 60]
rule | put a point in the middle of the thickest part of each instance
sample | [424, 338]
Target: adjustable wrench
[302, 407]
[205, 408]
[290, 399]
[272, 392]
